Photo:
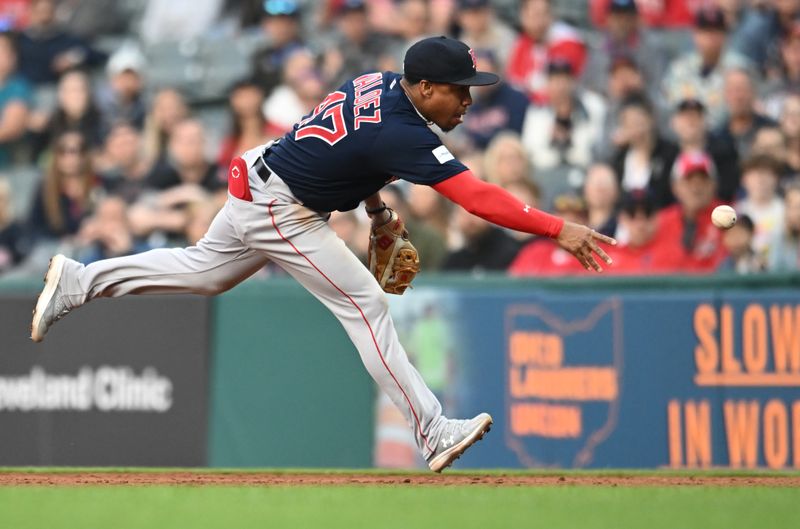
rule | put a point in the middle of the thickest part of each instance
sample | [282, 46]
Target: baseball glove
[393, 260]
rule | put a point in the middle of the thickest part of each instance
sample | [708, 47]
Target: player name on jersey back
[360, 137]
[367, 101]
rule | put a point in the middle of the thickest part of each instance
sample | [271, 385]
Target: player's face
[447, 104]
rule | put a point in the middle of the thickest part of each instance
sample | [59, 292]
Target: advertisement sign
[118, 382]
[641, 378]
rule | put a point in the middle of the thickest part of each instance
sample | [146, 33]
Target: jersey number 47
[332, 107]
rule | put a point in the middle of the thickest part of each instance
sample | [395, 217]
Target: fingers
[604, 238]
[599, 251]
[585, 248]
[582, 259]
[584, 255]
[590, 259]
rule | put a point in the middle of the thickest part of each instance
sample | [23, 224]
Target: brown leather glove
[393, 260]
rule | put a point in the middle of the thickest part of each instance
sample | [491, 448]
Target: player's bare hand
[582, 242]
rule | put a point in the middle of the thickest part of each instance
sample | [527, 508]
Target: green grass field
[400, 505]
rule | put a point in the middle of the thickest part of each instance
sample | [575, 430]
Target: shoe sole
[446, 458]
[51, 279]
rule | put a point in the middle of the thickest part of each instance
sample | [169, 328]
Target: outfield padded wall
[661, 371]
[288, 387]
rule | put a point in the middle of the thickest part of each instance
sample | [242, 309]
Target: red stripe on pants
[352, 301]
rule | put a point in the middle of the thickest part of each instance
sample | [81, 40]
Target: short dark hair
[638, 100]
[411, 79]
[746, 222]
[636, 201]
[762, 162]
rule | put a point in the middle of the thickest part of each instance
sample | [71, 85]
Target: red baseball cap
[693, 162]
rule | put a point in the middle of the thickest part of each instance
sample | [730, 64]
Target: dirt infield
[283, 479]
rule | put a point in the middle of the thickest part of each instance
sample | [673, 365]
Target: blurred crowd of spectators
[636, 117]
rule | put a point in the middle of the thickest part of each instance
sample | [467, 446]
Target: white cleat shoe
[456, 438]
[50, 306]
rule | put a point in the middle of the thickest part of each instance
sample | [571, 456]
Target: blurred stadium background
[118, 120]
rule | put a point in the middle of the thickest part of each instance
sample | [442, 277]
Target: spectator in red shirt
[542, 40]
[646, 250]
[660, 14]
[687, 224]
[543, 257]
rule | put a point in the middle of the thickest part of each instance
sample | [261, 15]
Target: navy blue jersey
[357, 140]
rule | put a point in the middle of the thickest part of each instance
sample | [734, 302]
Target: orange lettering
[674, 430]
[729, 362]
[546, 420]
[553, 349]
[754, 339]
[569, 383]
[741, 429]
[776, 431]
[515, 384]
[545, 350]
[698, 434]
[516, 347]
[706, 354]
[785, 337]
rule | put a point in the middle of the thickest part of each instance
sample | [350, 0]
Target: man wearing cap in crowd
[624, 35]
[687, 224]
[480, 28]
[699, 74]
[123, 98]
[373, 130]
[689, 125]
[280, 22]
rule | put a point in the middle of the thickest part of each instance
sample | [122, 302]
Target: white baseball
[723, 217]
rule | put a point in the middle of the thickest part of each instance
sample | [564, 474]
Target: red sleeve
[497, 205]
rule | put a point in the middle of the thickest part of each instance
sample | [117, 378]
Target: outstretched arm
[500, 207]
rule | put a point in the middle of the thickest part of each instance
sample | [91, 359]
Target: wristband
[377, 210]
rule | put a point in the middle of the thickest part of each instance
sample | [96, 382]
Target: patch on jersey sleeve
[442, 154]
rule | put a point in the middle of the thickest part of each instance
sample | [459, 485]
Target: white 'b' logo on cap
[474, 60]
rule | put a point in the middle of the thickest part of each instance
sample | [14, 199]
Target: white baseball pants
[275, 226]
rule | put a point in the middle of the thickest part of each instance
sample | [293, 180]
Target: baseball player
[373, 130]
